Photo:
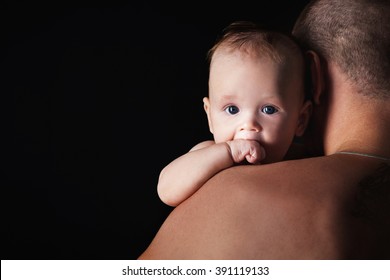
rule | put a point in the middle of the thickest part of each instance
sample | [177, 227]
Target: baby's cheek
[223, 136]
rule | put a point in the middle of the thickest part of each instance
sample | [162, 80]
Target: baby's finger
[256, 155]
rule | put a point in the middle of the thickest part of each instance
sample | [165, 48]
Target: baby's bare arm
[183, 176]
[186, 174]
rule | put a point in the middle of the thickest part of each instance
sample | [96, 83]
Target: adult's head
[355, 35]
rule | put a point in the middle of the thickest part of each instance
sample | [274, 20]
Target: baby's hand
[250, 150]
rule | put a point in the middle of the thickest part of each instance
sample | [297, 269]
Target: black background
[96, 100]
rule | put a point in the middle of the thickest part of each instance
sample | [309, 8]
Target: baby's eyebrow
[228, 97]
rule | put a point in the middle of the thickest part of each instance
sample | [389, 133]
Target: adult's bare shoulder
[288, 210]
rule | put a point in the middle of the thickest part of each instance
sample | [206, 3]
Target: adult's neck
[355, 122]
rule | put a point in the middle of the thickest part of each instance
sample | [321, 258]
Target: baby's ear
[317, 76]
[206, 106]
[303, 119]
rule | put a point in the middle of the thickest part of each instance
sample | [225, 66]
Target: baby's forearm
[186, 174]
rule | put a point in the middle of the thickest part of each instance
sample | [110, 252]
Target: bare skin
[253, 214]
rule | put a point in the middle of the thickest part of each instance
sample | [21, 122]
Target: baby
[255, 108]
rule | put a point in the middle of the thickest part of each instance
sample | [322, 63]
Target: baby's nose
[251, 124]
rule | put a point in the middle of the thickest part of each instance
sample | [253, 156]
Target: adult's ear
[317, 76]
[303, 119]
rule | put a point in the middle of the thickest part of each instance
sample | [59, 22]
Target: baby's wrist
[229, 151]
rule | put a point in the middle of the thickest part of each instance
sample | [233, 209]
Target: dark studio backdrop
[96, 100]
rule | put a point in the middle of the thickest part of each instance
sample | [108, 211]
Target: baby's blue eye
[232, 110]
[269, 110]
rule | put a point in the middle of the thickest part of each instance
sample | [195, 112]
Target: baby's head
[257, 86]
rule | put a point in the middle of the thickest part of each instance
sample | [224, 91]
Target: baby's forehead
[286, 59]
[278, 52]
[288, 69]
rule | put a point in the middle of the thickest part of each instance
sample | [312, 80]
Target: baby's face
[254, 98]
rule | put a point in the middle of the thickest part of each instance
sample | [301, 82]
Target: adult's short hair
[355, 35]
